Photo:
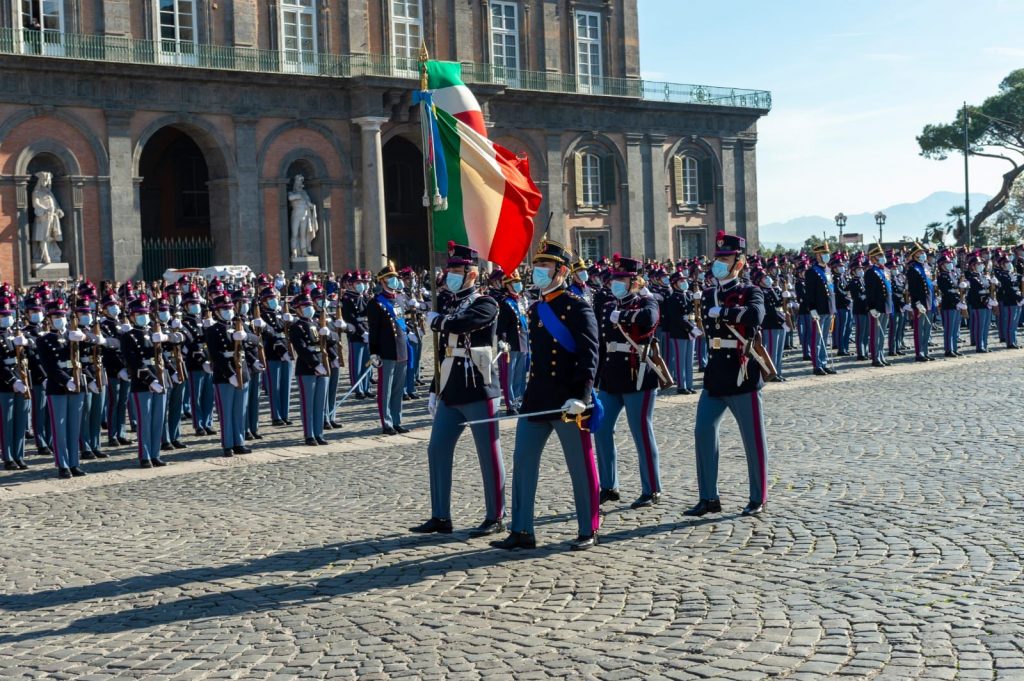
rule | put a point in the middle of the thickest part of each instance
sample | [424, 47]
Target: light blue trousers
[746, 409]
[681, 361]
[200, 386]
[390, 387]
[150, 409]
[65, 428]
[312, 397]
[231, 413]
[639, 408]
[278, 380]
[13, 424]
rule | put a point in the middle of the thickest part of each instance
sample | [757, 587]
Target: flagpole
[424, 56]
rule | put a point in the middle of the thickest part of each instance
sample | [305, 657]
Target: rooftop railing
[123, 50]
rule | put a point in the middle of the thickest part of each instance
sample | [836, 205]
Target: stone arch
[344, 161]
[216, 150]
[49, 146]
[602, 143]
[99, 151]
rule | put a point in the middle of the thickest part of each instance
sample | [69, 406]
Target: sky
[853, 84]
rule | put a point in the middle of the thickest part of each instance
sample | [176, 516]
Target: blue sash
[386, 304]
[515, 308]
[563, 337]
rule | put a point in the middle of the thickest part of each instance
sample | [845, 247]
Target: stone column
[661, 237]
[749, 156]
[729, 188]
[375, 230]
[248, 239]
[634, 241]
[556, 193]
[552, 37]
[122, 244]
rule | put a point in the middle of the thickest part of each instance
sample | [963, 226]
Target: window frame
[298, 60]
[588, 82]
[170, 50]
[505, 74]
[47, 41]
[603, 234]
[701, 234]
[691, 182]
[590, 166]
[409, 61]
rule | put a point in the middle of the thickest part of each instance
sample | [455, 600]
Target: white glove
[76, 335]
[123, 375]
[614, 316]
[814, 315]
[336, 364]
[99, 339]
[963, 285]
[321, 370]
[574, 407]
[176, 379]
[287, 318]
[432, 403]
[339, 323]
[646, 292]
[123, 328]
[155, 387]
[258, 324]
[375, 360]
[366, 336]
[992, 303]
[921, 308]
[696, 333]
[431, 316]
[787, 294]
[906, 307]
[715, 312]
[176, 337]
[876, 314]
[20, 341]
[350, 328]
[961, 306]
[324, 331]
[175, 323]
[238, 335]
[207, 323]
[159, 337]
[207, 368]
[258, 366]
[234, 381]
[20, 387]
[93, 388]
[71, 386]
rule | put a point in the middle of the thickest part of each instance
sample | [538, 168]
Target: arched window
[595, 179]
[694, 183]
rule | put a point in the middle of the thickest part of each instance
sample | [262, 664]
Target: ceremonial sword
[356, 383]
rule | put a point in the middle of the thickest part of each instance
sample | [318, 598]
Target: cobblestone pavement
[893, 548]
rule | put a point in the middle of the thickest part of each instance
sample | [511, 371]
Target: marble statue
[46, 231]
[303, 219]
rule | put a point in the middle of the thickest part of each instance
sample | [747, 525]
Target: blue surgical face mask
[979, 268]
[142, 320]
[948, 266]
[113, 310]
[307, 312]
[243, 308]
[401, 285]
[922, 257]
[6, 321]
[620, 289]
[881, 260]
[35, 317]
[85, 320]
[665, 281]
[841, 269]
[279, 284]
[360, 288]
[720, 270]
[393, 283]
[541, 276]
[454, 281]
[59, 323]
[768, 281]
[227, 315]
[164, 315]
[683, 286]
[583, 276]
[193, 308]
[1011, 257]
[272, 303]
[517, 286]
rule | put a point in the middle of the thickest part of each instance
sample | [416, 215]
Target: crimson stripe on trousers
[593, 486]
[648, 453]
[759, 444]
[499, 487]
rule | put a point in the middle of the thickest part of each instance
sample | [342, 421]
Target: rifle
[179, 361]
[75, 357]
[238, 358]
[158, 353]
[325, 357]
[260, 350]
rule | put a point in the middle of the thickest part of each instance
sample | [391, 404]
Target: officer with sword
[820, 292]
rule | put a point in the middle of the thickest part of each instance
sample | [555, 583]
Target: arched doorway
[174, 203]
[403, 201]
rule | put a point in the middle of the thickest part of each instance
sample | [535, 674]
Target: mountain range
[903, 219]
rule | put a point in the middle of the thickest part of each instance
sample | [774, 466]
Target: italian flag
[444, 79]
[488, 197]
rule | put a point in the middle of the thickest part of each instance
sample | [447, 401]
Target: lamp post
[840, 223]
[880, 221]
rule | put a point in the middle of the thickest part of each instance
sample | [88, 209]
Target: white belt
[723, 344]
[618, 347]
[228, 353]
[456, 352]
[147, 362]
[64, 365]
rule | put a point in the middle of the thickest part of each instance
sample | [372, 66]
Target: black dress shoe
[406, 397]
[158, 463]
[255, 436]
[87, 456]
[22, 466]
[145, 464]
[99, 455]
[609, 495]
[646, 500]
[401, 430]
[63, 473]
[583, 542]
[44, 451]
[782, 379]
[753, 509]
[328, 426]
[10, 466]
[414, 396]
[187, 414]
[830, 371]
[820, 372]
[125, 441]
[388, 430]
[703, 507]
[929, 358]
[886, 362]
[844, 354]
[359, 395]
[861, 358]
[487, 527]
[438, 525]
[516, 540]
[210, 431]
[178, 444]
[334, 424]
[166, 447]
[227, 452]
[919, 358]
[950, 354]
[511, 411]
[277, 422]
[320, 440]
[241, 449]
[287, 422]
[876, 363]
[311, 442]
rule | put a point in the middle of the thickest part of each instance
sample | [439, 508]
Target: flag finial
[424, 56]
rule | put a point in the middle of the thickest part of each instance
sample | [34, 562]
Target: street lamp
[840, 223]
[880, 221]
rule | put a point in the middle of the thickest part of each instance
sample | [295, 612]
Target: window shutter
[706, 186]
[608, 188]
[677, 172]
[578, 177]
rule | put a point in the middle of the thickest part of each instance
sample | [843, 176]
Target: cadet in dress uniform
[680, 328]
[563, 367]
[14, 392]
[819, 290]
[278, 377]
[1009, 296]
[310, 369]
[898, 321]
[980, 302]
[177, 376]
[389, 351]
[921, 288]
[950, 306]
[64, 396]
[90, 355]
[145, 366]
[465, 389]
[200, 384]
[328, 338]
[512, 340]
[251, 346]
[33, 329]
[880, 304]
[580, 277]
[353, 310]
[627, 380]
[773, 327]
[115, 398]
[732, 314]
[859, 305]
[225, 343]
[843, 324]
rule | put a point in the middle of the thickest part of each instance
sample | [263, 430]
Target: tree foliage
[995, 130]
